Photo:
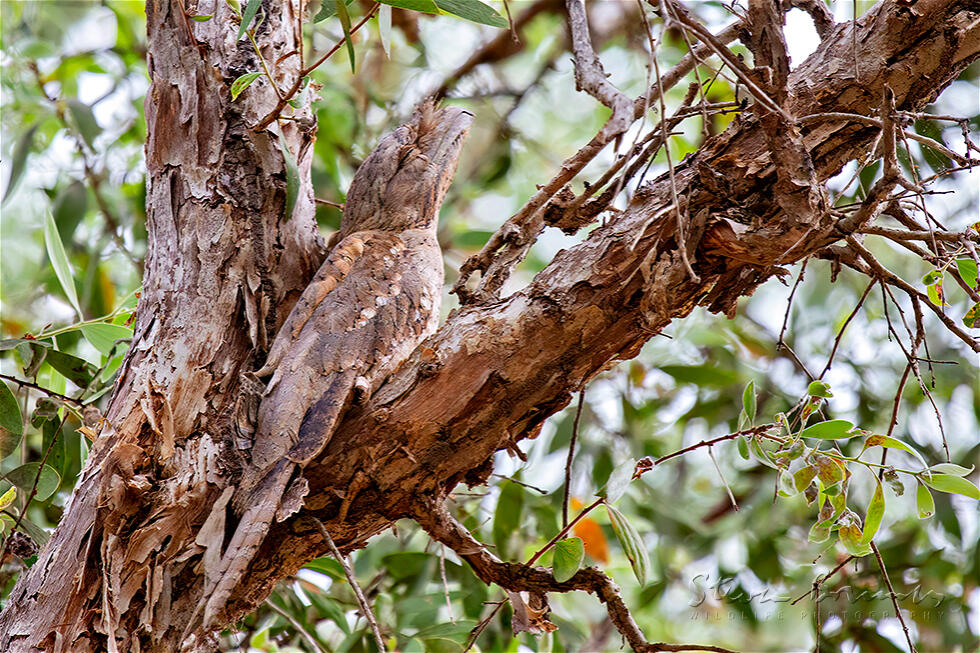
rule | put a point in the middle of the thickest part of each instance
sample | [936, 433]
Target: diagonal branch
[592, 78]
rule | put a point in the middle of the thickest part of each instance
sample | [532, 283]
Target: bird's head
[402, 183]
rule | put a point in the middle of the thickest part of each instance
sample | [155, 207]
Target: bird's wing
[359, 309]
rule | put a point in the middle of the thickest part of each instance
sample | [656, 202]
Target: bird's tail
[262, 502]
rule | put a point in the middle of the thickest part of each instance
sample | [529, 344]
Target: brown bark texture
[125, 570]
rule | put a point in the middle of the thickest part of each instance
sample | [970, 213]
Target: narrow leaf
[473, 10]
[85, 122]
[924, 502]
[250, 10]
[834, 429]
[242, 83]
[952, 484]
[48, 480]
[618, 481]
[202, 18]
[426, 6]
[889, 442]
[19, 160]
[384, 28]
[632, 544]
[59, 261]
[748, 401]
[951, 469]
[344, 17]
[292, 178]
[69, 209]
[876, 510]
[327, 9]
[568, 557]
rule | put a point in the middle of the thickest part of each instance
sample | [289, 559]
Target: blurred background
[73, 85]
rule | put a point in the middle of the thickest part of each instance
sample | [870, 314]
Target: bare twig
[590, 75]
[891, 592]
[891, 278]
[34, 386]
[284, 100]
[568, 461]
[358, 594]
[296, 625]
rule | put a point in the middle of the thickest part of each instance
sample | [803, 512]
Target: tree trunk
[123, 570]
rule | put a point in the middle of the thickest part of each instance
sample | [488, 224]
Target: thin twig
[358, 594]
[34, 386]
[568, 460]
[891, 592]
[281, 104]
[445, 583]
[297, 625]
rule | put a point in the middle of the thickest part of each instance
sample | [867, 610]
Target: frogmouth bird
[374, 299]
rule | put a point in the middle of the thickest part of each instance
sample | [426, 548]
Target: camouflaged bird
[374, 299]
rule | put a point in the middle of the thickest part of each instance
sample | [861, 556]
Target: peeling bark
[123, 569]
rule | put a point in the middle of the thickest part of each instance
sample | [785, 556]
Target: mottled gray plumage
[374, 299]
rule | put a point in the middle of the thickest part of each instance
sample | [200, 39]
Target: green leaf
[59, 261]
[74, 369]
[876, 510]
[8, 497]
[618, 481]
[250, 10]
[292, 178]
[951, 469]
[632, 544]
[935, 294]
[760, 454]
[473, 10]
[384, 29]
[507, 516]
[932, 277]
[924, 502]
[85, 122]
[748, 401]
[567, 559]
[701, 375]
[203, 18]
[103, 336]
[344, 17]
[48, 480]
[972, 317]
[952, 484]
[10, 417]
[19, 160]
[889, 442]
[242, 83]
[327, 9]
[819, 389]
[69, 209]
[743, 447]
[833, 429]
[967, 268]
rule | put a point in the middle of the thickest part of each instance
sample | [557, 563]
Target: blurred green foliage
[73, 84]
